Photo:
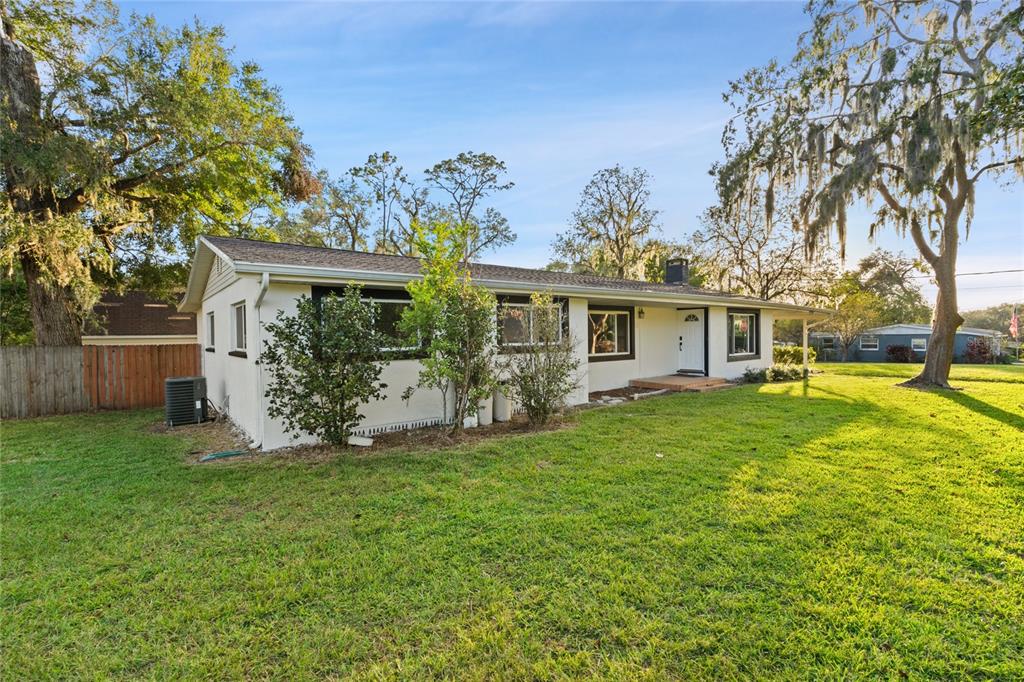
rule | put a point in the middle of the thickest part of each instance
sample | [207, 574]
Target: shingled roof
[276, 253]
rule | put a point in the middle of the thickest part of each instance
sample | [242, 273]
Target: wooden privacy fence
[40, 380]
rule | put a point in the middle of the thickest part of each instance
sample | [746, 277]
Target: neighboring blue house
[870, 346]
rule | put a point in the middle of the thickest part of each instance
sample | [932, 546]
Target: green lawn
[848, 529]
[959, 373]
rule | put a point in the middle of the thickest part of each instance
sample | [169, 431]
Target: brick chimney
[677, 271]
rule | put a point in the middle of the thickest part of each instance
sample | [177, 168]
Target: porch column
[806, 370]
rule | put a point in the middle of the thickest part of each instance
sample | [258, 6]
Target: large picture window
[516, 326]
[609, 333]
[744, 341]
[389, 315]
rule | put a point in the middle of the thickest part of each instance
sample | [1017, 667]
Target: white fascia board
[315, 275]
[202, 262]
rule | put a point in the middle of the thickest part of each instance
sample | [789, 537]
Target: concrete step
[677, 383]
[711, 387]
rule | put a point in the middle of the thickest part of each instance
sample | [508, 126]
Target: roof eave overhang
[315, 275]
[199, 275]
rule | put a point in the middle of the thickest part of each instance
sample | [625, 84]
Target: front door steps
[678, 382]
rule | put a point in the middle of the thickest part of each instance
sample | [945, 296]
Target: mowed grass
[845, 529]
[958, 373]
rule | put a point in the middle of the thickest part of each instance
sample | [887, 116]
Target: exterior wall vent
[185, 400]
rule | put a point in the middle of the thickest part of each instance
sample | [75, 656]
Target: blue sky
[557, 91]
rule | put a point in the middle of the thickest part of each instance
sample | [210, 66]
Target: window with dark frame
[828, 343]
[387, 320]
[743, 334]
[238, 312]
[516, 325]
[608, 333]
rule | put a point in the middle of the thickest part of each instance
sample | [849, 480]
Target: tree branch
[997, 164]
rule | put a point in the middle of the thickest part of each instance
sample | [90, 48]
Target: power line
[965, 274]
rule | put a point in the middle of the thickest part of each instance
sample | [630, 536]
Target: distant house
[135, 318]
[870, 346]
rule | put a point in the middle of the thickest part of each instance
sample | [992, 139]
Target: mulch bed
[221, 435]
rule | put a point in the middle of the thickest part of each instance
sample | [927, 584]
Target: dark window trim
[742, 357]
[510, 298]
[238, 354]
[317, 293]
[210, 349]
[628, 309]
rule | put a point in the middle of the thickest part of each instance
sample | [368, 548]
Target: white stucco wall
[236, 385]
[578, 331]
[657, 351]
[232, 383]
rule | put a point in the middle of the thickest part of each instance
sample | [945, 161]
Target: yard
[845, 529]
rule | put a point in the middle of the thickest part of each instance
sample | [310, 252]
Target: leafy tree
[324, 362]
[15, 323]
[753, 256]
[894, 109]
[455, 321]
[543, 372]
[613, 230]
[856, 311]
[467, 180]
[393, 193]
[337, 217]
[890, 277]
[659, 251]
[118, 128]
[994, 317]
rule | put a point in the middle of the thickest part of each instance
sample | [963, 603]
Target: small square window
[920, 345]
[828, 343]
[238, 313]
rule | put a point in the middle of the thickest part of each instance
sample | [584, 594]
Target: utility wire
[965, 274]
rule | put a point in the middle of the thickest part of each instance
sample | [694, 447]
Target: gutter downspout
[260, 387]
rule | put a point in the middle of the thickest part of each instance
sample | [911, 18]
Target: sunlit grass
[848, 528]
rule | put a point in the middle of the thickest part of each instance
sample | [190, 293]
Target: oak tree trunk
[947, 320]
[54, 312]
[939, 355]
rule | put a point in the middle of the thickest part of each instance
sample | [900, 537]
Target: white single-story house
[624, 329]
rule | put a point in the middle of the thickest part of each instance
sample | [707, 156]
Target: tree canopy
[614, 231]
[901, 105]
[120, 134]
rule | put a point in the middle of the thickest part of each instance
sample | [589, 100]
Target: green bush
[792, 355]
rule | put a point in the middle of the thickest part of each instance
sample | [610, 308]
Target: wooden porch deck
[678, 382]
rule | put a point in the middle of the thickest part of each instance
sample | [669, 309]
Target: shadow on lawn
[1012, 420]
